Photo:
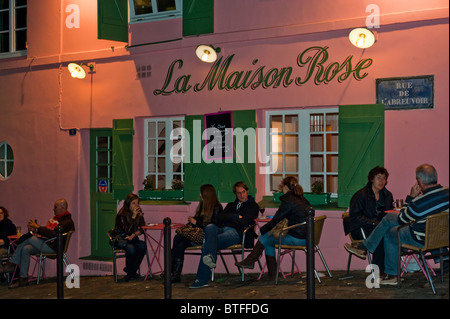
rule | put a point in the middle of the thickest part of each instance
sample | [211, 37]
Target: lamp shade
[76, 71]
[362, 38]
[206, 53]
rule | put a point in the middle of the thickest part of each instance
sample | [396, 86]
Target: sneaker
[198, 284]
[361, 253]
[209, 261]
[389, 280]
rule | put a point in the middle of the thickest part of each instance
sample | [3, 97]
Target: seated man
[226, 230]
[426, 198]
[31, 242]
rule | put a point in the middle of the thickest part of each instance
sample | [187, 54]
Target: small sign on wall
[219, 135]
[406, 93]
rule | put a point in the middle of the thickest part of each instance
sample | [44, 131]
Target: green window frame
[6, 161]
[13, 28]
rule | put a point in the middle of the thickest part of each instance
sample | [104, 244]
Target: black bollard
[310, 283]
[59, 264]
[167, 259]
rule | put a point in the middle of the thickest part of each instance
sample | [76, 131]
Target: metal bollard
[59, 264]
[310, 283]
[167, 259]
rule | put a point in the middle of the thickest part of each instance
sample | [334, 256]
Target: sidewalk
[414, 286]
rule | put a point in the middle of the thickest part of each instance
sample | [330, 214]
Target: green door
[103, 206]
[361, 147]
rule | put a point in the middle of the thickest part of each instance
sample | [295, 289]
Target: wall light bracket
[77, 70]
[207, 53]
[362, 38]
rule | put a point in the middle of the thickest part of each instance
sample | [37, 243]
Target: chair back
[66, 245]
[318, 226]
[436, 231]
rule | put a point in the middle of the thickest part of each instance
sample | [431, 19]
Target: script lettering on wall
[313, 65]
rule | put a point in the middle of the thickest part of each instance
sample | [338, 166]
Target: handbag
[277, 231]
[194, 234]
[118, 239]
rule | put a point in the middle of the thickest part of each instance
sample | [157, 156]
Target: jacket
[66, 223]
[363, 208]
[294, 209]
[7, 228]
[249, 211]
[200, 223]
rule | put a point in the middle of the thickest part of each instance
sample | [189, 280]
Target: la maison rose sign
[313, 64]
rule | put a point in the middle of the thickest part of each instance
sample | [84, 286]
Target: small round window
[6, 160]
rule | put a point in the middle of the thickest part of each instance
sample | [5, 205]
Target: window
[304, 144]
[163, 151]
[6, 161]
[148, 10]
[13, 27]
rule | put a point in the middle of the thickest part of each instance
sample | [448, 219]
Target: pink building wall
[39, 101]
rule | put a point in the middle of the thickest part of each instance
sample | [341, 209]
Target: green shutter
[221, 175]
[113, 20]
[198, 17]
[122, 172]
[361, 147]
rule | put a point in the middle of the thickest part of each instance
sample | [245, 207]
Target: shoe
[209, 261]
[253, 257]
[19, 283]
[198, 284]
[389, 280]
[361, 253]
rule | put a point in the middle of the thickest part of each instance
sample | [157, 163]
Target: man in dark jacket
[31, 242]
[226, 230]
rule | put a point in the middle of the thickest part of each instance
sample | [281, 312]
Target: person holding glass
[129, 221]
[367, 209]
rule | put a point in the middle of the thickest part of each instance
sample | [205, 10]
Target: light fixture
[362, 38]
[207, 53]
[77, 71]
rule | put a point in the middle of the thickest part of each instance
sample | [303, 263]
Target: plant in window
[149, 183]
[317, 187]
[177, 184]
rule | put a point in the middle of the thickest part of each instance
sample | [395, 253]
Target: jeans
[135, 252]
[387, 229]
[25, 249]
[216, 238]
[269, 242]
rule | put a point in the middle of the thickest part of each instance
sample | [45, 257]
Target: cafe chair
[436, 238]
[354, 242]
[287, 249]
[42, 257]
[116, 254]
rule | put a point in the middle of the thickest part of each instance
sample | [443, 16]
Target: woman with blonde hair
[293, 207]
[207, 210]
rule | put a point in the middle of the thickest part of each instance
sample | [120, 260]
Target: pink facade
[40, 101]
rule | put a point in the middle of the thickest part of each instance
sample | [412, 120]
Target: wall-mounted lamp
[362, 38]
[77, 71]
[207, 53]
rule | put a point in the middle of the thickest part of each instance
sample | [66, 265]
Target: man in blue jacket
[226, 230]
[426, 198]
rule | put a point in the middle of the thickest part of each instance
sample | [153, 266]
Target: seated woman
[293, 207]
[367, 209]
[208, 207]
[129, 220]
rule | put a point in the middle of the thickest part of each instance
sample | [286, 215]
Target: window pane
[277, 123]
[4, 4]
[102, 172]
[275, 182]
[291, 123]
[317, 163]
[316, 122]
[102, 158]
[161, 165]
[4, 20]
[292, 163]
[279, 160]
[332, 143]
[152, 165]
[332, 163]
[151, 147]
[162, 129]
[291, 143]
[4, 42]
[161, 147]
[332, 122]
[316, 143]
[20, 2]
[102, 142]
[21, 18]
[9, 152]
[143, 6]
[166, 5]
[152, 129]
[332, 184]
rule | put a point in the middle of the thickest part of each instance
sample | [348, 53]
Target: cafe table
[155, 244]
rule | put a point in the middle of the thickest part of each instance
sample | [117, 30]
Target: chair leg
[430, 280]
[115, 267]
[323, 261]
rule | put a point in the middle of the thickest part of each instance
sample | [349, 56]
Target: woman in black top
[129, 221]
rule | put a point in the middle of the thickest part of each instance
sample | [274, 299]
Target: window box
[313, 199]
[170, 194]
